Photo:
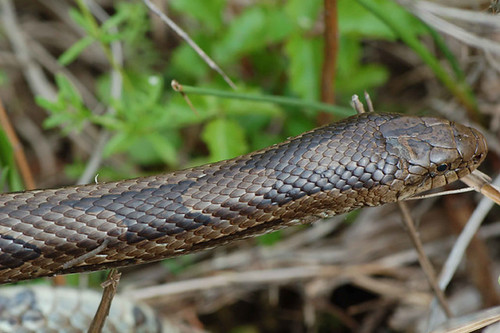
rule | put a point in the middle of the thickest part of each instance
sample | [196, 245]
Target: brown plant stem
[17, 148]
[330, 50]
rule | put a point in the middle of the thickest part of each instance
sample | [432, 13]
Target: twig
[458, 250]
[190, 42]
[17, 148]
[357, 105]
[369, 102]
[330, 50]
[178, 87]
[422, 258]
[471, 322]
[82, 258]
[110, 286]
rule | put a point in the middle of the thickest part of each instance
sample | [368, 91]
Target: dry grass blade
[255, 277]
[440, 194]
[430, 274]
[471, 322]
[191, 43]
[33, 72]
[460, 246]
[481, 183]
[431, 16]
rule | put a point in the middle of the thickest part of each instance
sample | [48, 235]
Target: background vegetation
[88, 89]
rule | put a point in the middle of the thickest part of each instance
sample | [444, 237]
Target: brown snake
[365, 160]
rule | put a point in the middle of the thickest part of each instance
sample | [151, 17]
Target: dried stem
[459, 248]
[110, 286]
[330, 50]
[430, 274]
[17, 148]
[190, 42]
[357, 105]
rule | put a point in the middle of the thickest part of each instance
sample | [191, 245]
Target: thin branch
[430, 274]
[330, 50]
[369, 102]
[357, 105]
[17, 148]
[110, 286]
[190, 42]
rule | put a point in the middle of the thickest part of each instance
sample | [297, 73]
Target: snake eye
[442, 167]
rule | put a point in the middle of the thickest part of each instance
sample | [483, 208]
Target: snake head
[434, 152]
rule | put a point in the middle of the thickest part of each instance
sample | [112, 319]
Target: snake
[365, 160]
[48, 309]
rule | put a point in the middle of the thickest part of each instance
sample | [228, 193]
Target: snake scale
[365, 160]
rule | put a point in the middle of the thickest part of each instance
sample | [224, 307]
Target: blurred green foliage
[270, 47]
[9, 177]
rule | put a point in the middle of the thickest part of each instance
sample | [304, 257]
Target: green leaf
[9, 177]
[270, 238]
[118, 143]
[75, 50]
[304, 13]
[47, 105]
[118, 18]
[68, 91]
[79, 18]
[224, 138]
[366, 77]
[355, 19]
[352, 75]
[207, 12]
[186, 62]
[165, 149]
[305, 64]
[3, 77]
[255, 28]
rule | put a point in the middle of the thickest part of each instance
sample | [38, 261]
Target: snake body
[364, 160]
[48, 309]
